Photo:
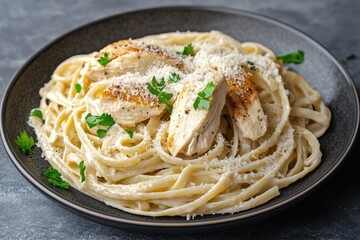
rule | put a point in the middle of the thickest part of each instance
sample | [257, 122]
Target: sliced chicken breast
[129, 56]
[242, 98]
[192, 131]
[129, 104]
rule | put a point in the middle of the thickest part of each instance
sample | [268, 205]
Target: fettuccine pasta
[169, 156]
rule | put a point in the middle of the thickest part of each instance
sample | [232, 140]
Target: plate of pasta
[200, 118]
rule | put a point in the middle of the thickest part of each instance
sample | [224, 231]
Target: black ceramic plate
[320, 68]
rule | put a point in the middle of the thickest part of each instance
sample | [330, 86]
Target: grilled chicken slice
[129, 56]
[242, 98]
[193, 131]
[128, 103]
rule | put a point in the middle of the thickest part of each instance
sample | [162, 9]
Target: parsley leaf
[62, 184]
[101, 132]
[188, 50]
[78, 87]
[207, 91]
[82, 170]
[174, 77]
[348, 57]
[104, 60]
[106, 120]
[295, 57]
[37, 113]
[164, 98]
[203, 100]
[103, 120]
[54, 178]
[152, 89]
[52, 173]
[92, 120]
[251, 65]
[129, 132]
[201, 103]
[24, 142]
[157, 88]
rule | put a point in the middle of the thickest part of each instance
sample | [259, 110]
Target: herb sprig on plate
[25, 143]
[293, 57]
[157, 88]
[203, 101]
[54, 178]
[104, 120]
[104, 60]
[187, 51]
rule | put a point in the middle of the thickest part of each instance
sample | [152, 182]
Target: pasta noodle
[139, 175]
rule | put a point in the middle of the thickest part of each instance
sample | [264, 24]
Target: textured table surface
[332, 212]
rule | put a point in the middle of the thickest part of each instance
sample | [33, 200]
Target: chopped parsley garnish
[101, 132]
[82, 170]
[54, 178]
[251, 65]
[129, 132]
[104, 120]
[201, 103]
[295, 57]
[104, 60]
[188, 50]
[25, 143]
[157, 88]
[37, 113]
[78, 87]
[203, 100]
[174, 77]
[348, 57]
[164, 98]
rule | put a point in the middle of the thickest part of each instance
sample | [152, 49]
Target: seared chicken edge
[193, 131]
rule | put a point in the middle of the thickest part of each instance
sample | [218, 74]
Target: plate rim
[208, 222]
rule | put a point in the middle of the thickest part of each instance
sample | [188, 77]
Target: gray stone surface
[332, 212]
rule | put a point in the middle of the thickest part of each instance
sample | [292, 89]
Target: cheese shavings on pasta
[255, 133]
